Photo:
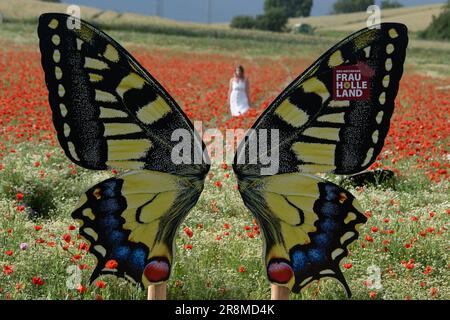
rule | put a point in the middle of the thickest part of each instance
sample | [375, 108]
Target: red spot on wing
[157, 270]
[279, 272]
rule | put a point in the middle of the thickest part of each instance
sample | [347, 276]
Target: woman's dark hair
[241, 69]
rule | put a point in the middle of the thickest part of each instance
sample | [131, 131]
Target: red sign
[351, 83]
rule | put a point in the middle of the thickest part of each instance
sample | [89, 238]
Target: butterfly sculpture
[109, 112]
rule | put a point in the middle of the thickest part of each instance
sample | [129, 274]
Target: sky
[221, 10]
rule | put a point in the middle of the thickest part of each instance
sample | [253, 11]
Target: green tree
[274, 19]
[347, 6]
[439, 28]
[293, 8]
[388, 4]
[243, 22]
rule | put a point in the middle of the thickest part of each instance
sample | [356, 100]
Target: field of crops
[218, 249]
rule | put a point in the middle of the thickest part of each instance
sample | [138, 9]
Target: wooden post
[157, 292]
[279, 293]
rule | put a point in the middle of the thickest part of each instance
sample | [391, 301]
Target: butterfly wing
[133, 219]
[320, 132]
[307, 222]
[110, 113]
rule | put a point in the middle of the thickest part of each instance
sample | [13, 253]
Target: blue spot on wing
[137, 260]
[117, 237]
[108, 205]
[330, 209]
[321, 240]
[109, 223]
[121, 253]
[317, 256]
[328, 225]
[299, 261]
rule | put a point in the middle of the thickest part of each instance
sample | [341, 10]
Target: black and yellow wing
[109, 112]
[332, 118]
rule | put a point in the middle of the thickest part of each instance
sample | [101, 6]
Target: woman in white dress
[238, 94]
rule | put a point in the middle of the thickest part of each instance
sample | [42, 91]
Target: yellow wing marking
[112, 113]
[148, 182]
[58, 73]
[393, 33]
[364, 39]
[66, 130]
[63, 109]
[131, 81]
[350, 217]
[87, 212]
[335, 59]
[375, 136]
[103, 96]
[53, 24]
[339, 104]
[284, 211]
[390, 48]
[336, 253]
[94, 77]
[153, 111]
[111, 53]
[382, 98]
[346, 236]
[292, 114]
[314, 85]
[61, 90]
[368, 157]
[128, 165]
[72, 150]
[125, 149]
[386, 81]
[79, 44]
[315, 168]
[315, 153]
[158, 207]
[327, 133]
[379, 117]
[100, 249]
[333, 118]
[118, 128]
[96, 64]
[56, 40]
[56, 56]
[91, 232]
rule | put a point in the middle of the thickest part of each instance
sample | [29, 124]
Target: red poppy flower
[348, 265]
[38, 281]
[188, 246]
[7, 269]
[241, 269]
[111, 264]
[66, 237]
[100, 284]
[81, 289]
[19, 196]
[188, 232]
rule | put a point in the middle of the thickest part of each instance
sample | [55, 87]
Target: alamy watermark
[261, 147]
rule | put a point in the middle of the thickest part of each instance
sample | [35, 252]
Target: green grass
[210, 269]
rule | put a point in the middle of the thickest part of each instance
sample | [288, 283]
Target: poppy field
[402, 251]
